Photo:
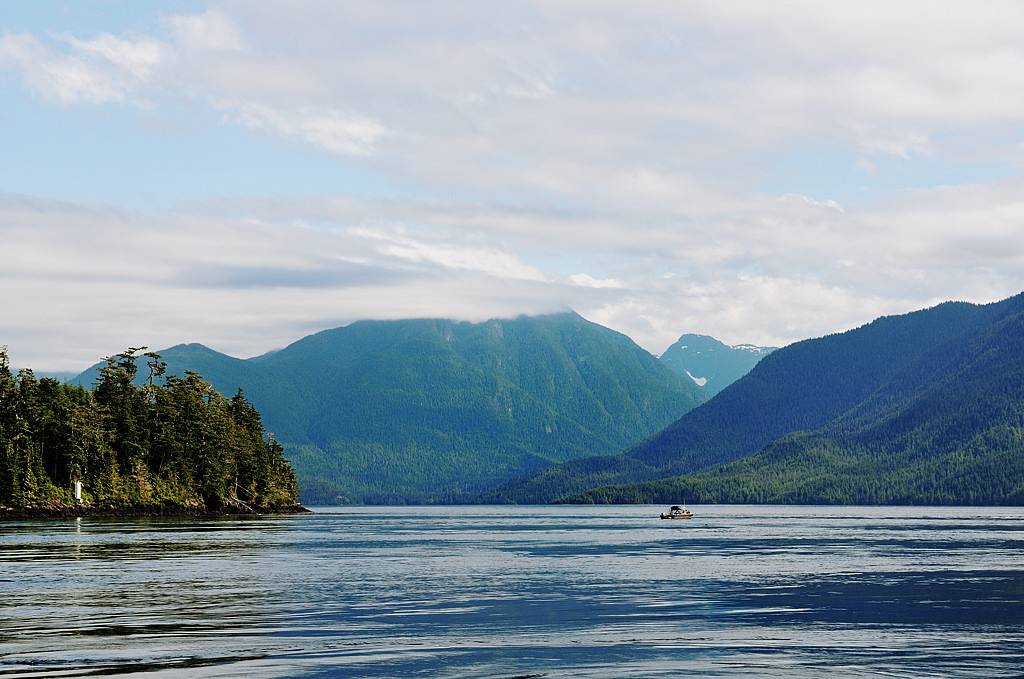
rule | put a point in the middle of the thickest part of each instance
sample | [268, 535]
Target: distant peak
[696, 336]
[192, 348]
[189, 345]
[693, 341]
[701, 342]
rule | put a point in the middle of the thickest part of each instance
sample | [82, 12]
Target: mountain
[853, 377]
[59, 375]
[423, 410]
[711, 364]
[947, 429]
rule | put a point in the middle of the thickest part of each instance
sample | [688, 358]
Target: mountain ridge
[432, 409]
[949, 429]
[800, 387]
[710, 363]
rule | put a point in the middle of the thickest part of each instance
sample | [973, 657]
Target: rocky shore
[170, 511]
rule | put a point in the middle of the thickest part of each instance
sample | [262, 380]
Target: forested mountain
[422, 410]
[858, 377]
[710, 363]
[169, 445]
[947, 429]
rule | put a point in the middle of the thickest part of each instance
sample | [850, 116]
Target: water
[512, 591]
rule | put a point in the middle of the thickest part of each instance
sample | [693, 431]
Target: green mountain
[711, 364]
[848, 390]
[423, 410]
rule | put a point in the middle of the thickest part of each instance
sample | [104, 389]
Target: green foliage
[173, 443]
[798, 388]
[433, 410]
[946, 428]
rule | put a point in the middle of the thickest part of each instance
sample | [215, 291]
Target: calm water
[512, 591]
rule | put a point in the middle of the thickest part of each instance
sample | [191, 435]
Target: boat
[677, 512]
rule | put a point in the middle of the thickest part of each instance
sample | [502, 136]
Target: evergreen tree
[171, 443]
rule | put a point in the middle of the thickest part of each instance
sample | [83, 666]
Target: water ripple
[508, 592]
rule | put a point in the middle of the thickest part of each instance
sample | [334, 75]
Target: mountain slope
[798, 388]
[711, 364]
[420, 410]
[948, 429]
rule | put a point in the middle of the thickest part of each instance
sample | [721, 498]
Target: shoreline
[170, 512]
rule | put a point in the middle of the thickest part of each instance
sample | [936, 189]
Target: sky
[243, 173]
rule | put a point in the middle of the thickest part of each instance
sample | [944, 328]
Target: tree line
[172, 443]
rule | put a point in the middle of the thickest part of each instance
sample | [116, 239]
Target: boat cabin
[677, 512]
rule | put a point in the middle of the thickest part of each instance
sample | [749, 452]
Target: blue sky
[240, 173]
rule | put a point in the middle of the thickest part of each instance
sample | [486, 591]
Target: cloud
[139, 57]
[212, 30]
[588, 281]
[633, 162]
[96, 278]
[671, 90]
[488, 260]
[331, 130]
[872, 142]
[66, 79]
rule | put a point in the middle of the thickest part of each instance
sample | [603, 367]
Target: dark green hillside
[429, 409]
[947, 429]
[275, 397]
[432, 409]
[800, 387]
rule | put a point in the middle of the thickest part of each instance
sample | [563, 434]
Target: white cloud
[489, 261]
[61, 78]
[138, 57]
[872, 142]
[212, 30]
[807, 200]
[522, 146]
[672, 91]
[248, 284]
[331, 130]
[588, 281]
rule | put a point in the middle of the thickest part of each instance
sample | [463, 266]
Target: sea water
[562, 591]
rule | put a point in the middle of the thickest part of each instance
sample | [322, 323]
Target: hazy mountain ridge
[59, 375]
[434, 409]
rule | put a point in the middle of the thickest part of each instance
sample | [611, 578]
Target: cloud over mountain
[760, 173]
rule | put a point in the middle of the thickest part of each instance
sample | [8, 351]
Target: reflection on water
[512, 591]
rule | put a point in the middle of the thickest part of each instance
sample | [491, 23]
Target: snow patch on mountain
[752, 348]
[700, 381]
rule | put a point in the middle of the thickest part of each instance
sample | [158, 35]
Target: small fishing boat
[677, 512]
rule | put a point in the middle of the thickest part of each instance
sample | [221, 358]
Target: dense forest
[946, 429]
[172, 444]
[961, 355]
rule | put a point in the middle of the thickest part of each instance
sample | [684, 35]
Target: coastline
[160, 511]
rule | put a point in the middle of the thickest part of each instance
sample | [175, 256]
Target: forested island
[173, 445]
